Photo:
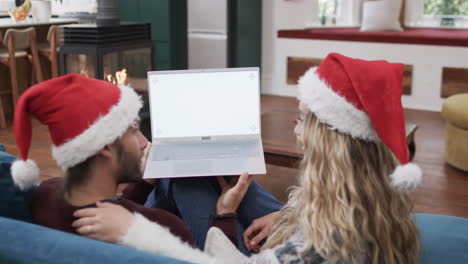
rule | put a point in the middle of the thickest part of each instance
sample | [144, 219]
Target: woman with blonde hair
[352, 204]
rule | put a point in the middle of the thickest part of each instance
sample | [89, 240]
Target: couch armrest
[28, 243]
[444, 239]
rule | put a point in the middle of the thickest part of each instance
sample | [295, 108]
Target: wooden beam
[297, 66]
[454, 81]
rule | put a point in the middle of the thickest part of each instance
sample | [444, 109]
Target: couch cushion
[444, 239]
[455, 110]
[14, 203]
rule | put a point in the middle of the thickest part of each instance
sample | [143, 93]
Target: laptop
[205, 123]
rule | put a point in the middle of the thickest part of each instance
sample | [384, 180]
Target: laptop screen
[204, 103]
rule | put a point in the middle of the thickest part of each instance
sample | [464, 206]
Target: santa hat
[362, 99]
[83, 115]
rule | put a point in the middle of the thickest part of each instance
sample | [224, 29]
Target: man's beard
[129, 168]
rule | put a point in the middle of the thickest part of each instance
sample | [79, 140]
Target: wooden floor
[444, 189]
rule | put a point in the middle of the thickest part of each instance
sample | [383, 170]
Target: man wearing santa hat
[93, 125]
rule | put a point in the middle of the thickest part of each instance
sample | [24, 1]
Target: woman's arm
[148, 236]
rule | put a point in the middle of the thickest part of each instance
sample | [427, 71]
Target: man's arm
[229, 227]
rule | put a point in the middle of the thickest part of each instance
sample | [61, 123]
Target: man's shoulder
[56, 181]
[52, 185]
[138, 208]
[49, 208]
[49, 191]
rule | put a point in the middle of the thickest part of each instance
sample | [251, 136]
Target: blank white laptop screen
[198, 104]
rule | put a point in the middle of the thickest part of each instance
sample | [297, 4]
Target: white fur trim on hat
[149, 236]
[406, 177]
[332, 109]
[24, 173]
[104, 131]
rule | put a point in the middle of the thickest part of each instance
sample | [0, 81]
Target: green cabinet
[168, 20]
[245, 33]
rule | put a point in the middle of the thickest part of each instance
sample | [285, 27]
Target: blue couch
[444, 238]
[23, 242]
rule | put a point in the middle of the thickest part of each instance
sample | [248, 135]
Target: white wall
[427, 60]
[281, 14]
[59, 8]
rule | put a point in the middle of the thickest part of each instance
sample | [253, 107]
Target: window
[5, 5]
[327, 11]
[338, 12]
[446, 7]
[445, 13]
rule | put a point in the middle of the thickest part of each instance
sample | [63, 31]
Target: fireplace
[109, 52]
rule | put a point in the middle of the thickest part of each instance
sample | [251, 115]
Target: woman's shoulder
[291, 251]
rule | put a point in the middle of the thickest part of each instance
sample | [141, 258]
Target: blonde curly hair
[345, 205]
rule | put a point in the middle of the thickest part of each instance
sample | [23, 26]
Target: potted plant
[327, 11]
[323, 6]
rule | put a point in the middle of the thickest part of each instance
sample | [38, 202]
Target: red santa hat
[362, 99]
[82, 114]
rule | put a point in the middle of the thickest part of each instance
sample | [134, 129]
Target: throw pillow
[383, 15]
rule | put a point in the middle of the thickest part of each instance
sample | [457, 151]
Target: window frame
[434, 20]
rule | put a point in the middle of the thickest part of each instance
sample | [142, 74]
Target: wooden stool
[50, 49]
[18, 42]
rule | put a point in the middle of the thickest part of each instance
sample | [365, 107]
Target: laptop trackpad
[193, 167]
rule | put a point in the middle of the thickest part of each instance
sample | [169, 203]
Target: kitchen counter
[9, 23]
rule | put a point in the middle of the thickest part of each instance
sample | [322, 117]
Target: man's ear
[106, 152]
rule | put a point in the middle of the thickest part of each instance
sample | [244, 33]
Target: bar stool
[50, 49]
[17, 43]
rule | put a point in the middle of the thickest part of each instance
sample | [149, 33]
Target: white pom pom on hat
[24, 173]
[406, 177]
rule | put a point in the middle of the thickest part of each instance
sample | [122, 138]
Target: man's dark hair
[78, 174]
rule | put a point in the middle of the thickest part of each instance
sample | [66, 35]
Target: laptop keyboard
[206, 150]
